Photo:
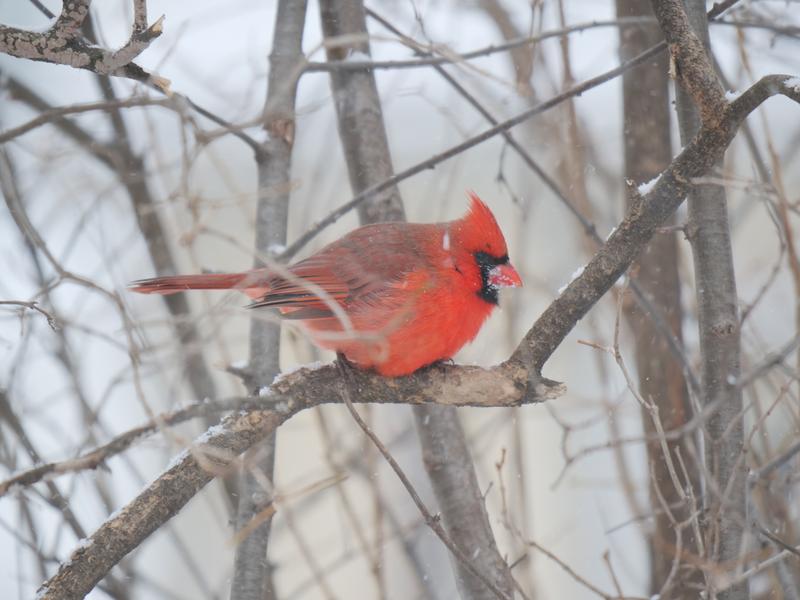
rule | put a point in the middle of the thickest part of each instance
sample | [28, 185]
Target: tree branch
[97, 457]
[57, 114]
[646, 134]
[252, 577]
[62, 44]
[701, 100]
[645, 216]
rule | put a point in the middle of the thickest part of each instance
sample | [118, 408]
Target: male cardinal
[392, 297]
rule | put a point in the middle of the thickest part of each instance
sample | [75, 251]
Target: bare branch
[51, 320]
[495, 587]
[252, 575]
[576, 90]
[685, 28]
[427, 57]
[216, 450]
[692, 63]
[644, 218]
[56, 114]
[97, 457]
[63, 45]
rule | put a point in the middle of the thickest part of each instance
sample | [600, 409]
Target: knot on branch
[724, 328]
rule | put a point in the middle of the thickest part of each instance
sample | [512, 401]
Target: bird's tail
[172, 284]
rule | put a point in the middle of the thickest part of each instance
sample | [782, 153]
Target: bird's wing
[357, 270]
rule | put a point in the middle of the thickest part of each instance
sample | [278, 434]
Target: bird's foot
[347, 368]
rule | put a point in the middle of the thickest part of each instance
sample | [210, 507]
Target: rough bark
[63, 44]
[698, 99]
[446, 453]
[252, 578]
[646, 134]
[462, 506]
[358, 111]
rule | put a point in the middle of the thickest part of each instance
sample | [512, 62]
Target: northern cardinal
[393, 297]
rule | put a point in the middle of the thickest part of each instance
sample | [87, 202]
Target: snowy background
[215, 53]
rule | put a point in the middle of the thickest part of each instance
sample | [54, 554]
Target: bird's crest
[479, 231]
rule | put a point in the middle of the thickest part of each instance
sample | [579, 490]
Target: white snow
[645, 187]
[280, 376]
[732, 95]
[181, 456]
[610, 233]
[446, 241]
[578, 272]
[792, 83]
[209, 433]
[276, 249]
[83, 543]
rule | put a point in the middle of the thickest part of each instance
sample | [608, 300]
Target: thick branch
[447, 458]
[692, 64]
[646, 133]
[645, 216]
[700, 95]
[252, 577]
[359, 113]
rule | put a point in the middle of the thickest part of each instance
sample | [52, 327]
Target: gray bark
[447, 458]
[252, 578]
[646, 134]
[718, 316]
[359, 114]
[449, 465]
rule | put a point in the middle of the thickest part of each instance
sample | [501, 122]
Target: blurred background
[571, 475]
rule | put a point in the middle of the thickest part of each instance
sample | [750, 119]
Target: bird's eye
[486, 260]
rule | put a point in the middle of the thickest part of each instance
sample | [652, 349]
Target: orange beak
[503, 276]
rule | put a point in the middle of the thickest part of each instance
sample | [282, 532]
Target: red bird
[393, 297]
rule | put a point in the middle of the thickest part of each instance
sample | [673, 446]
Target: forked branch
[63, 44]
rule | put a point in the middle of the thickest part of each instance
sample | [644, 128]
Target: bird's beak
[503, 276]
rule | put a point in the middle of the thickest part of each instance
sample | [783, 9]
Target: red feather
[392, 297]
